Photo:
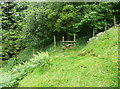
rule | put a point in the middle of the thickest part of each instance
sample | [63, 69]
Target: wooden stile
[68, 44]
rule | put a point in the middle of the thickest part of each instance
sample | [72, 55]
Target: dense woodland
[34, 24]
[23, 23]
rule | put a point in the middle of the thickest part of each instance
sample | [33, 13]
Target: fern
[12, 77]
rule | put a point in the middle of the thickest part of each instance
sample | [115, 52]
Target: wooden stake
[74, 40]
[54, 43]
[114, 21]
[63, 44]
[63, 39]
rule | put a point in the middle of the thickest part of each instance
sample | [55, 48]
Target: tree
[12, 39]
[45, 19]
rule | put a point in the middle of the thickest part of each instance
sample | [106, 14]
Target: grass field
[88, 65]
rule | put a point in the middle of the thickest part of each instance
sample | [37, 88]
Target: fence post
[74, 40]
[63, 38]
[63, 45]
[54, 43]
[114, 21]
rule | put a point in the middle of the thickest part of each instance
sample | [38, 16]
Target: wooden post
[54, 43]
[105, 27]
[63, 38]
[74, 40]
[63, 45]
[114, 21]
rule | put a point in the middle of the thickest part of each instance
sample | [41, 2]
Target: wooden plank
[68, 41]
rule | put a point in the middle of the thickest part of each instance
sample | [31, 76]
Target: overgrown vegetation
[12, 77]
[29, 27]
[38, 22]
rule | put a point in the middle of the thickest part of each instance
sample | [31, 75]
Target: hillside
[91, 65]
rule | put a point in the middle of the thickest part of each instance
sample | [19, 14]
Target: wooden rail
[68, 44]
[69, 41]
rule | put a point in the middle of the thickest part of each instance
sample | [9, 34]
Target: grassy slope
[98, 68]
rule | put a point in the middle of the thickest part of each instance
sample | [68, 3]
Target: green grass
[96, 68]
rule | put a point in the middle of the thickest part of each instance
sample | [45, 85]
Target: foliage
[10, 78]
[67, 19]
[22, 57]
[47, 19]
[35, 26]
[12, 43]
[97, 15]
[13, 39]
[38, 22]
[35, 23]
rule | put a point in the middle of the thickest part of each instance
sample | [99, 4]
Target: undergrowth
[18, 72]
